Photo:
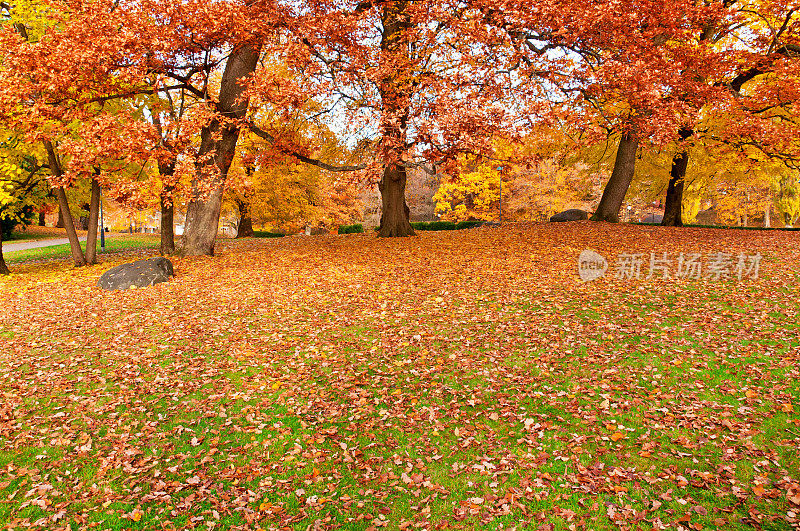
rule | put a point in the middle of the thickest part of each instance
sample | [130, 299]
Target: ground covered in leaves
[451, 380]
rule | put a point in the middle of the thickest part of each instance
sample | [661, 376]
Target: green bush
[441, 225]
[351, 229]
[266, 234]
[468, 224]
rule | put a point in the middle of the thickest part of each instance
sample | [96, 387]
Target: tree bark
[41, 219]
[673, 206]
[167, 229]
[395, 90]
[63, 205]
[395, 211]
[60, 222]
[91, 232]
[620, 181]
[167, 221]
[245, 229]
[217, 148]
[3, 267]
[767, 223]
[69, 225]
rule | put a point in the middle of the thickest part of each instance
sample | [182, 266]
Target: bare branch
[299, 156]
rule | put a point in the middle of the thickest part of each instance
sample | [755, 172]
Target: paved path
[24, 246]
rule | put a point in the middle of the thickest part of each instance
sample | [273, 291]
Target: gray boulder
[652, 218]
[137, 274]
[573, 214]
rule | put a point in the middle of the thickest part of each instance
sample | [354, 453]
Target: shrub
[468, 224]
[267, 234]
[441, 225]
[420, 225]
[351, 229]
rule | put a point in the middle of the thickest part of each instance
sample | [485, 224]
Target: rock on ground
[652, 218]
[137, 274]
[573, 214]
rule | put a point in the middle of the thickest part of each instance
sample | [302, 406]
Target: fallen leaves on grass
[451, 379]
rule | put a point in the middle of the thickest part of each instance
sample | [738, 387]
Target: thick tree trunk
[245, 229]
[41, 219]
[3, 267]
[395, 90]
[217, 148]
[395, 211]
[91, 232]
[60, 222]
[167, 171]
[63, 205]
[673, 206]
[620, 181]
[167, 221]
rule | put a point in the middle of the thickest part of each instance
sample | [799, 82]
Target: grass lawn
[114, 244]
[456, 379]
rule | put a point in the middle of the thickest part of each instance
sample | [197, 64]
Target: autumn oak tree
[424, 81]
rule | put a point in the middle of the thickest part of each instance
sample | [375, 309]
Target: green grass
[269, 404]
[114, 244]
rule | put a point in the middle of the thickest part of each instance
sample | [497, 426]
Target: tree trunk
[60, 222]
[245, 229]
[63, 205]
[766, 217]
[91, 232]
[395, 211]
[395, 89]
[72, 235]
[167, 171]
[3, 267]
[167, 221]
[41, 219]
[620, 181]
[673, 206]
[217, 148]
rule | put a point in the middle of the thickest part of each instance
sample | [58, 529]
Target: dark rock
[573, 214]
[137, 274]
[316, 231]
[652, 218]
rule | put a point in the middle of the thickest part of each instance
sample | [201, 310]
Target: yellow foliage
[473, 195]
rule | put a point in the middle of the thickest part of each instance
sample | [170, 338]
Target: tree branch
[299, 156]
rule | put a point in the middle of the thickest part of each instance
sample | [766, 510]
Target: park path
[24, 246]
